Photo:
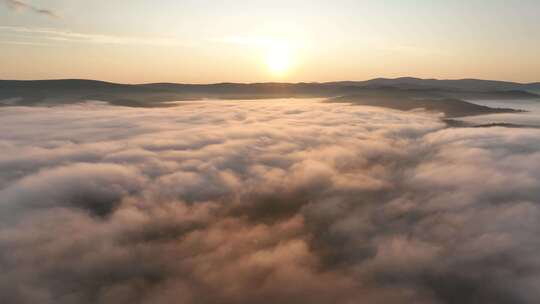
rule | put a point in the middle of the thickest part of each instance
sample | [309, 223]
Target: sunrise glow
[279, 60]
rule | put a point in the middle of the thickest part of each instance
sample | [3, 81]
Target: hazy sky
[295, 40]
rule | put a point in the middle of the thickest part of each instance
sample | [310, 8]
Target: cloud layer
[264, 202]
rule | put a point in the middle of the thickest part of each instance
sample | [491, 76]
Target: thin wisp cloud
[20, 5]
[54, 35]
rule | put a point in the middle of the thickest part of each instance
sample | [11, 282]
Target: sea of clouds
[264, 202]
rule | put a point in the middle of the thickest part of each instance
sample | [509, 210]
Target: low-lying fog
[265, 202]
[530, 118]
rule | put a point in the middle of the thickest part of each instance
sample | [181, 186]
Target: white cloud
[264, 201]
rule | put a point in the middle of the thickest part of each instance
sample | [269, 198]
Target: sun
[278, 60]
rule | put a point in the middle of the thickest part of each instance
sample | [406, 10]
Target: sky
[202, 41]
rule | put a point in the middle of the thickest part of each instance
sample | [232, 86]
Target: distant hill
[404, 90]
[448, 106]
[459, 84]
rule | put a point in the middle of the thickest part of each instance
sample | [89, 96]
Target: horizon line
[271, 82]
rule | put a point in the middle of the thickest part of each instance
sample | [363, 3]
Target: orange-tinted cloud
[266, 202]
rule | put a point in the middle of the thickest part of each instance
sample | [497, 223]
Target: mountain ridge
[400, 93]
[377, 79]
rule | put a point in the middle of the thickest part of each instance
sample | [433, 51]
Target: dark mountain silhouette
[449, 106]
[459, 84]
[399, 93]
